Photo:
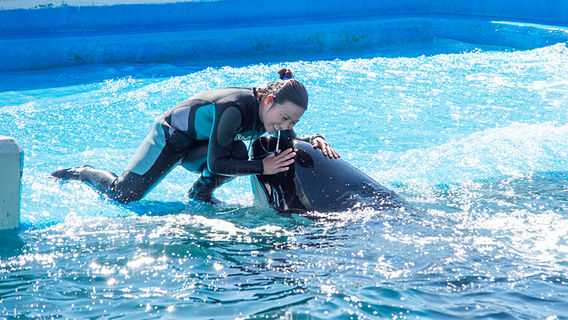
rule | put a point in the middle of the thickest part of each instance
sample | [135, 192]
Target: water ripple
[476, 141]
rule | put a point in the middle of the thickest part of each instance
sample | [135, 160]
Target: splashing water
[476, 141]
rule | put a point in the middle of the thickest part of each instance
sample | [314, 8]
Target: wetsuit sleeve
[226, 156]
[291, 134]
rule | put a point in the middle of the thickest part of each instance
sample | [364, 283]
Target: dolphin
[315, 182]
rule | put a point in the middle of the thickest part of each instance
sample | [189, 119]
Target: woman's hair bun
[285, 74]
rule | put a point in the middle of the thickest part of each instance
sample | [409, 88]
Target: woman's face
[280, 116]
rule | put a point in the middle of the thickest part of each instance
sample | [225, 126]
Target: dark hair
[285, 74]
[288, 90]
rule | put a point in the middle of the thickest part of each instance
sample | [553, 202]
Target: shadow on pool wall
[200, 31]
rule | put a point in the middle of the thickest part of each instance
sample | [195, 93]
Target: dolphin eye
[303, 159]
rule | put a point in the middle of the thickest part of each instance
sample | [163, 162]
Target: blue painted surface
[225, 30]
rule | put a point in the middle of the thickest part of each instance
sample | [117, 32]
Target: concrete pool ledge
[11, 160]
[200, 31]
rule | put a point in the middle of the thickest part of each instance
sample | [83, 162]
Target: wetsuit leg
[154, 159]
[195, 160]
[131, 186]
[203, 188]
[99, 179]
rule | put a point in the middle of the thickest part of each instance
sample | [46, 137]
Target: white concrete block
[11, 166]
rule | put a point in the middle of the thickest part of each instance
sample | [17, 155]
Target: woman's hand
[278, 163]
[320, 143]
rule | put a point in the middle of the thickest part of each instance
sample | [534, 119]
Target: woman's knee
[195, 160]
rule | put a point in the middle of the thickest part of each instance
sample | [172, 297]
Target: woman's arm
[229, 157]
[225, 155]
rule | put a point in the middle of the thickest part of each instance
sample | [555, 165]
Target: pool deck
[11, 165]
[200, 31]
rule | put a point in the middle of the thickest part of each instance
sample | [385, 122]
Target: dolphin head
[315, 182]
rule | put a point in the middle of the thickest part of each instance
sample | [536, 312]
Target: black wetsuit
[204, 133]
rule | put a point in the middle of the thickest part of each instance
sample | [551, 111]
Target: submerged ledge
[225, 30]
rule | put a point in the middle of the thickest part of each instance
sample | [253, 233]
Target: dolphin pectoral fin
[381, 197]
[301, 195]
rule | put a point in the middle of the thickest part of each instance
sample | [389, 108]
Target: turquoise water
[476, 141]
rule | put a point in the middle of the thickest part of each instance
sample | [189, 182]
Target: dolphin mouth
[263, 146]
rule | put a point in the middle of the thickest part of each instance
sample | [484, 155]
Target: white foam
[516, 150]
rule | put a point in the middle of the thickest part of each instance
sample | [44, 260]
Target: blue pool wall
[202, 31]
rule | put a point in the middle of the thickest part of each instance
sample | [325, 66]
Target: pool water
[475, 140]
